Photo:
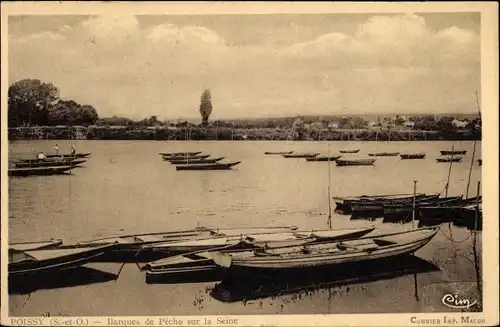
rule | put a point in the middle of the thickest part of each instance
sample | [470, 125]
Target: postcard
[249, 164]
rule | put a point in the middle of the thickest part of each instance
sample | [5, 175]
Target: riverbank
[198, 133]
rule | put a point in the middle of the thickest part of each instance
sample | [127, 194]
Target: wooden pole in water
[329, 191]
[474, 243]
[470, 170]
[414, 200]
[449, 172]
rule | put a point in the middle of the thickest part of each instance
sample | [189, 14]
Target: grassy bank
[198, 133]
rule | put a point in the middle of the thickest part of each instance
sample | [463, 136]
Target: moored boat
[179, 154]
[200, 262]
[32, 171]
[384, 154]
[355, 162]
[375, 208]
[454, 152]
[30, 262]
[331, 252]
[480, 162]
[349, 151]
[51, 163]
[441, 213]
[195, 161]
[470, 216]
[404, 212]
[323, 158]
[209, 166]
[344, 204]
[449, 159]
[69, 155]
[35, 245]
[278, 152]
[301, 155]
[413, 155]
[198, 156]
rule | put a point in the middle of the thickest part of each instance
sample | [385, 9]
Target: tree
[205, 106]
[299, 129]
[29, 101]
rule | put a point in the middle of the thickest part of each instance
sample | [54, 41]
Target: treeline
[35, 103]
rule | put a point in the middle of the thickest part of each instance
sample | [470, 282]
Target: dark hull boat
[329, 253]
[200, 156]
[195, 161]
[279, 153]
[412, 156]
[54, 163]
[455, 152]
[179, 154]
[384, 154]
[349, 151]
[470, 217]
[438, 214]
[41, 261]
[32, 171]
[214, 166]
[344, 204]
[200, 264]
[449, 159]
[480, 162]
[357, 162]
[374, 209]
[300, 155]
[323, 158]
[404, 212]
[35, 245]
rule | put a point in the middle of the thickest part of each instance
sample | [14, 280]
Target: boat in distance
[35, 245]
[278, 152]
[384, 154]
[197, 262]
[209, 166]
[449, 159]
[51, 163]
[69, 155]
[195, 161]
[355, 162]
[49, 260]
[330, 253]
[413, 155]
[301, 155]
[179, 154]
[323, 158]
[198, 156]
[344, 204]
[32, 171]
[349, 151]
[480, 162]
[454, 152]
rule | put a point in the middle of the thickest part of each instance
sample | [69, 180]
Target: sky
[254, 65]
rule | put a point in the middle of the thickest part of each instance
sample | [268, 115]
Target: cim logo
[457, 302]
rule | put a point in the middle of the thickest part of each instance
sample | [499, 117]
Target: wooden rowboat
[212, 166]
[30, 171]
[454, 152]
[36, 245]
[355, 162]
[69, 155]
[383, 154]
[372, 209]
[403, 212]
[195, 161]
[349, 151]
[300, 155]
[412, 156]
[200, 262]
[198, 156]
[344, 204]
[449, 159]
[59, 163]
[480, 162]
[49, 260]
[323, 158]
[279, 153]
[330, 253]
[179, 154]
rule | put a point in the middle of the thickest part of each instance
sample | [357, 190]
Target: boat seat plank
[149, 238]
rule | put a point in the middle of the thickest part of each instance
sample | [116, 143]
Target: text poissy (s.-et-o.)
[445, 320]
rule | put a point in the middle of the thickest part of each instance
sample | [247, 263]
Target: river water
[125, 187]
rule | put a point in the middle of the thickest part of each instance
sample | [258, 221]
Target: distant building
[409, 124]
[333, 125]
[459, 124]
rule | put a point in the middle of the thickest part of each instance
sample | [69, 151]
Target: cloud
[390, 63]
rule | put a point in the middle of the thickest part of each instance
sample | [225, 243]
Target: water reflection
[244, 284]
